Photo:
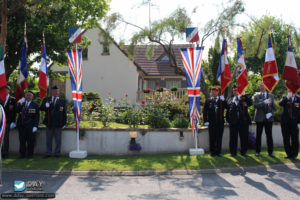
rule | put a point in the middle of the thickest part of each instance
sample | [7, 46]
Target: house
[108, 70]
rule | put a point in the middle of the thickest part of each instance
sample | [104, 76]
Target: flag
[43, 79]
[191, 58]
[3, 81]
[3, 123]
[270, 73]
[223, 74]
[290, 72]
[192, 34]
[23, 74]
[75, 65]
[242, 80]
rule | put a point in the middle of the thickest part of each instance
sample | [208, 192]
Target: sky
[132, 11]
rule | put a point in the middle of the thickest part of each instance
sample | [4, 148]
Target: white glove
[63, 127]
[34, 129]
[12, 125]
[22, 100]
[268, 115]
[47, 105]
[206, 123]
[267, 101]
[222, 98]
[298, 126]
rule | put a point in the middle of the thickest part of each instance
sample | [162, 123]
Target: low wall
[114, 141]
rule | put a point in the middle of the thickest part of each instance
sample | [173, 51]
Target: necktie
[55, 100]
[291, 108]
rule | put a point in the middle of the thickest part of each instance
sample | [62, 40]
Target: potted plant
[160, 89]
[174, 89]
[147, 90]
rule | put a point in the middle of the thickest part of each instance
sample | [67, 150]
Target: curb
[157, 173]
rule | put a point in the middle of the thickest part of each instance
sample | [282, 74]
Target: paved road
[274, 182]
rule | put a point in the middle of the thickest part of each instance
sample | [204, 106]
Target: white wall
[112, 74]
[101, 141]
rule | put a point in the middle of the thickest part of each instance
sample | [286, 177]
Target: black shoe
[46, 156]
[57, 156]
[294, 158]
[287, 157]
[233, 155]
[257, 155]
[20, 157]
[245, 155]
[271, 155]
[219, 155]
[212, 155]
[4, 156]
[29, 156]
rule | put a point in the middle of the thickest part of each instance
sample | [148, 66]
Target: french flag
[290, 72]
[223, 74]
[43, 78]
[270, 73]
[23, 74]
[3, 81]
[242, 80]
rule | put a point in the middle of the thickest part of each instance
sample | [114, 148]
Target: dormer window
[164, 59]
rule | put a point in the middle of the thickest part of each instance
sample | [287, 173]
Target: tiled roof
[152, 66]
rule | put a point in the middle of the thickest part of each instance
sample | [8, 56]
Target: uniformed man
[55, 120]
[27, 124]
[239, 119]
[10, 112]
[264, 110]
[213, 115]
[290, 123]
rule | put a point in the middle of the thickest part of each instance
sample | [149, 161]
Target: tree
[163, 32]
[255, 37]
[54, 17]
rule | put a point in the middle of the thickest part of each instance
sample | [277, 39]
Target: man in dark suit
[239, 119]
[213, 115]
[290, 123]
[55, 120]
[27, 124]
[10, 112]
[264, 110]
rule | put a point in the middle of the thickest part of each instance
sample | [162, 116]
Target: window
[164, 59]
[151, 84]
[105, 47]
[173, 83]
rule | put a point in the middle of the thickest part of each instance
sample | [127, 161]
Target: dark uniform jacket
[238, 113]
[28, 117]
[213, 111]
[287, 114]
[10, 110]
[55, 115]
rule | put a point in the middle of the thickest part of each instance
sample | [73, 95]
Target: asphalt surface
[271, 182]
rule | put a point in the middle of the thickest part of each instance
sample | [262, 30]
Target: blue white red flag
[3, 123]
[241, 69]
[192, 34]
[290, 72]
[75, 65]
[3, 81]
[75, 35]
[23, 74]
[191, 58]
[223, 74]
[43, 79]
[270, 76]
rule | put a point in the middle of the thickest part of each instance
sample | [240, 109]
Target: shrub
[156, 117]
[130, 116]
[174, 108]
[106, 113]
[180, 121]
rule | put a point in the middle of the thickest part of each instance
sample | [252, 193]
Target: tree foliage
[54, 17]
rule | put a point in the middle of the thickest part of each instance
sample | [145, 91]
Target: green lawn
[145, 162]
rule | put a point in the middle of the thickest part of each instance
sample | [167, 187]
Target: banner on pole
[75, 35]
[192, 34]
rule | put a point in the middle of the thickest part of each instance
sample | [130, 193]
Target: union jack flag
[75, 65]
[191, 58]
[3, 123]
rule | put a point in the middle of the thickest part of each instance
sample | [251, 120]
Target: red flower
[143, 102]
[126, 95]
